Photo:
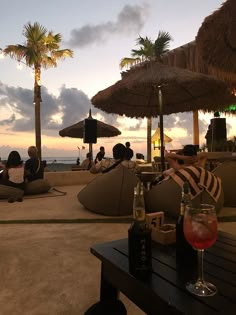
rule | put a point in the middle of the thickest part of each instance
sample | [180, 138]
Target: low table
[147, 178]
[164, 292]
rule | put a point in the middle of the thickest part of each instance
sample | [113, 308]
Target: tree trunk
[149, 139]
[37, 101]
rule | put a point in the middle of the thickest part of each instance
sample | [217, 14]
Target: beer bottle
[184, 251]
[139, 238]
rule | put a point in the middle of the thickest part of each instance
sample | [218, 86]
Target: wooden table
[164, 292]
[147, 178]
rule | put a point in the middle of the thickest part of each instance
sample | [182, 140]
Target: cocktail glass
[200, 230]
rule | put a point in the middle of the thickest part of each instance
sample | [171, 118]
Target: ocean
[63, 160]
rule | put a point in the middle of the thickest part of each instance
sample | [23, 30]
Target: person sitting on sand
[34, 168]
[13, 174]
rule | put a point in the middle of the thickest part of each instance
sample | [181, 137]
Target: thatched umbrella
[156, 139]
[157, 134]
[139, 93]
[216, 39]
[77, 130]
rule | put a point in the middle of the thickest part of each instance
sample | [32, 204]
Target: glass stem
[200, 253]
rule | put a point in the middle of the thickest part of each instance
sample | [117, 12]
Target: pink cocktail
[200, 230]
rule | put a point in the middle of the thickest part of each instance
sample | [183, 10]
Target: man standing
[100, 155]
[129, 151]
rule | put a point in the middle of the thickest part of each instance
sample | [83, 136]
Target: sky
[100, 33]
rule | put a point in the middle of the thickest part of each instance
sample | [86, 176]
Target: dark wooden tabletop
[164, 292]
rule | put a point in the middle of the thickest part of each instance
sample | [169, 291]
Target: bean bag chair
[38, 186]
[110, 193]
[227, 172]
[9, 191]
[166, 196]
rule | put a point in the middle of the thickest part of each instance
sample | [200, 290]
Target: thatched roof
[135, 95]
[188, 57]
[157, 134]
[77, 130]
[216, 39]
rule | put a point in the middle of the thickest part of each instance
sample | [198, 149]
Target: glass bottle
[184, 251]
[139, 238]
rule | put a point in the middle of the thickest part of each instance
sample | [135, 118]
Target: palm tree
[41, 50]
[147, 51]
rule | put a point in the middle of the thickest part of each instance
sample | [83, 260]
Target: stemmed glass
[200, 230]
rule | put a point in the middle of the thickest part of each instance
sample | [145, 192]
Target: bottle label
[139, 214]
[140, 253]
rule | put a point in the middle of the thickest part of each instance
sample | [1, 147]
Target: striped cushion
[199, 179]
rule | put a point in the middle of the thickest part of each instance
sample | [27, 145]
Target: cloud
[72, 105]
[9, 121]
[20, 101]
[130, 20]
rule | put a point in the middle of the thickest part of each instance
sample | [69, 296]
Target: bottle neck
[139, 214]
[185, 199]
[186, 196]
[182, 208]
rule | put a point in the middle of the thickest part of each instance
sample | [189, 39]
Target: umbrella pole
[149, 136]
[161, 130]
[91, 150]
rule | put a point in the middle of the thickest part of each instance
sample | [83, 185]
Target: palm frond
[34, 33]
[162, 43]
[40, 48]
[16, 52]
[61, 54]
[129, 62]
[48, 62]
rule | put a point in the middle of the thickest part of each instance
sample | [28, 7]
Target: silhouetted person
[129, 152]
[87, 163]
[119, 157]
[13, 174]
[34, 168]
[100, 155]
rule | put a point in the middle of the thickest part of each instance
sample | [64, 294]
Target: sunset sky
[101, 33]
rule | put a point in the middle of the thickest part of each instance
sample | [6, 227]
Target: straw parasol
[77, 130]
[155, 89]
[183, 90]
[157, 134]
[156, 140]
[216, 39]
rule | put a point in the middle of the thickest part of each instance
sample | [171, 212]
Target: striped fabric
[199, 179]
